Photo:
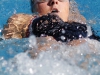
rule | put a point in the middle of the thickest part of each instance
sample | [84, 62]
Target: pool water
[58, 59]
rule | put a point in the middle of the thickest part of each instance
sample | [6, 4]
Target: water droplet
[63, 37]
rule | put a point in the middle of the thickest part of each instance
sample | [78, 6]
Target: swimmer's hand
[72, 31]
[52, 25]
[47, 25]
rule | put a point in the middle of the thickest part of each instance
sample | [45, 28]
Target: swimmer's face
[58, 7]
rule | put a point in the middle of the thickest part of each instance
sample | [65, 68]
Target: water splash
[63, 60]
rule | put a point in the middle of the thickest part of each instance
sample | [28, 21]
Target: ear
[33, 6]
[36, 8]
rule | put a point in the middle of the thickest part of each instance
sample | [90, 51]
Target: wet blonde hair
[74, 14]
[17, 26]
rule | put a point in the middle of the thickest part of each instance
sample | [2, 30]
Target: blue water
[10, 7]
[91, 11]
[80, 60]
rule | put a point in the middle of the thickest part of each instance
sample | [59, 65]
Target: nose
[53, 2]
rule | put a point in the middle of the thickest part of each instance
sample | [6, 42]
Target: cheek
[64, 12]
[66, 7]
[42, 9]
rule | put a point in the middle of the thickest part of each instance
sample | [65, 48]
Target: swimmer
[62, 8]
[68, 13]
[65, 12]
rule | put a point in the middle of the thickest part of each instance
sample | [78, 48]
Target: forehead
[34, 1]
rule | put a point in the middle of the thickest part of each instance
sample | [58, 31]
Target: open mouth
[54, 10]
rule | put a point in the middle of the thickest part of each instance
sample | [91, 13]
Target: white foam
[64, 60]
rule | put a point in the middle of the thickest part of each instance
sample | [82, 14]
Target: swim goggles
[48, 1]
